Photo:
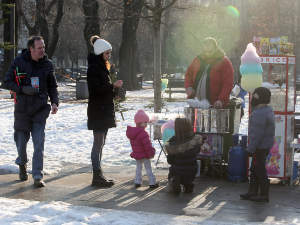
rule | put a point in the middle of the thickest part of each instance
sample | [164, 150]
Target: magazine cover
[273, 46]
[278, 40]
[265, 48]
[290, 48]
[257, 44]
[284, 39]
[282, 49]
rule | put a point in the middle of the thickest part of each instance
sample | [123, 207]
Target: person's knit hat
[260, 95]
[101, 46]
[141, 117]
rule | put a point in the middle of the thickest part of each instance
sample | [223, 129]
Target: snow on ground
[68, 140]
[18, 211]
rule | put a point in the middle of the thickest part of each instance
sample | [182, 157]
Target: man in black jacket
[31, 107]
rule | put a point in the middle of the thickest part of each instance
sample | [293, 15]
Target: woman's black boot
[99, 180]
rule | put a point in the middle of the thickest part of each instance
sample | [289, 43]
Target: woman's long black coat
[101, 109]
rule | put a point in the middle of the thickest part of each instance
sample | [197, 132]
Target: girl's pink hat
[141, 117]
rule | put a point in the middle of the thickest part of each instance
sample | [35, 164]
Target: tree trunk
[297, 41]
[157, 10]
[165, 37]
[92, 26]
[55, 29]
[6, 38]
[157, 65]
[42, 22]
[128, 49]
[41, 27]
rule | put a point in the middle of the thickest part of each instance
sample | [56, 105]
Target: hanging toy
[164, 84]
[168, 131]
[251, 69]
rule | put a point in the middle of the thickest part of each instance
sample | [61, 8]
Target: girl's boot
[264, 191]
[253, 190]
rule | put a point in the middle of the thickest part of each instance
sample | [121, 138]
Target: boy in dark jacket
[182, 151]
[261, 140]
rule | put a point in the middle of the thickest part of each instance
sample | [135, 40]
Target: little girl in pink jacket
[142, 149]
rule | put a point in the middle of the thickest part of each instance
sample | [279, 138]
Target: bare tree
[157, 9]
[40, 21]
[128, 50]
[7, 45]
[92, 26]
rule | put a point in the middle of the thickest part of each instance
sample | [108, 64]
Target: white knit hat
[101, 46]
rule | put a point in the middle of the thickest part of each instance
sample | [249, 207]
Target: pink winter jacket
[140, 143]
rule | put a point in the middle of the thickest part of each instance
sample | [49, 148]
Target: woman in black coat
[101, 109]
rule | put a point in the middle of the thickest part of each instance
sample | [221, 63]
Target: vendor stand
[212, 124]
[282, 70]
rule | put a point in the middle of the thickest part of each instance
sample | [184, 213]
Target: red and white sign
[277, 59]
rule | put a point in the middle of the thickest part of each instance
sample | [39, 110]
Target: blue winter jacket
[261, 128]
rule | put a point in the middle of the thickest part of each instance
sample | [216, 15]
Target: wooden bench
[175, 83]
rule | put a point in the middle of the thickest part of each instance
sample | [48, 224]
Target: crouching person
[182, 155]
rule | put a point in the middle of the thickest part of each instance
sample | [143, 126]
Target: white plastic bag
[195, 103]
[236, 90]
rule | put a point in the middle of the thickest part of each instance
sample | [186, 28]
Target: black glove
[28, 90]
[122, 93]
[249, 154]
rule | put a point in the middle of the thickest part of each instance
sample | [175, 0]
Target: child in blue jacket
[261, 139]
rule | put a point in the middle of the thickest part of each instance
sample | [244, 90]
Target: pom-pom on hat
[101, 46]
[141, 117]
[260, 95]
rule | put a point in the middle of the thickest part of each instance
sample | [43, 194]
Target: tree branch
[19, 6]
[168, 5]
[151, 8]
[49, 7]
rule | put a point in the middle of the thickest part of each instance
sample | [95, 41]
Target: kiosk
[282, 84]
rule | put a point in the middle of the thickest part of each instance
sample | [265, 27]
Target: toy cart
[282, 84]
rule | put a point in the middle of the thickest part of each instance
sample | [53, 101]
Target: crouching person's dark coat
[183, 158]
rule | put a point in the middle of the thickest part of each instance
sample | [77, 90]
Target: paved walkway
[218, 200]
